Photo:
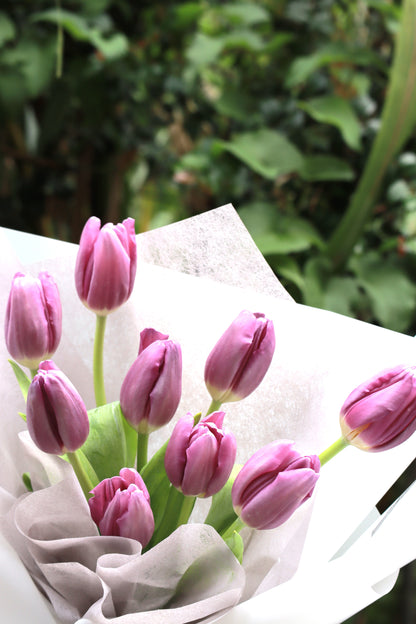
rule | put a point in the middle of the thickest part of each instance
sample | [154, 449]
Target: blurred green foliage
[164, 110]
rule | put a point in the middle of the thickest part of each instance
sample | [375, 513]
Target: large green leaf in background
[271, 155]
[337, 52]
[338, 112]
[112, 46]
[7, 29]
[392, 293]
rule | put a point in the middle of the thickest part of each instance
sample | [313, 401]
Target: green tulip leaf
[22, 379]
[236, 545]
[221, 514]
[111, 444]
[27, 481]
[157, 483]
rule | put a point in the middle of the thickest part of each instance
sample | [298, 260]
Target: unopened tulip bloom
[106, 265]
[33, 322]
[272, 484]
[199, 459]
[149, 335]
[381, 412]
[121, 506]
[57, 418]
[152, 388]
[241, 358]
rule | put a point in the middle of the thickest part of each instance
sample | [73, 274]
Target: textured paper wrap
[193, 279]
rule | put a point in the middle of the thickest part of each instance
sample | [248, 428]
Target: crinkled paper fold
[194, 277]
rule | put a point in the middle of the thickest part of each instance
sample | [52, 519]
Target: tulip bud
[199, 459]
[106, 265]
[241, 358]
[381, 412]
[151, 390]
[149, 335]
[121, 506]
[33, 322]
[57, 418]
[272, 484]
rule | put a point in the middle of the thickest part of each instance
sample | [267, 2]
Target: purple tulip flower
[33, 322]
[57, 418]
[152, 388]
[199, 458]
[272, 484]
[149, 335]
[381, 412]
[241, 358]
[121, 506]
[106, 265]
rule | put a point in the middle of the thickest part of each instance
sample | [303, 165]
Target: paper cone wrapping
[193, 279]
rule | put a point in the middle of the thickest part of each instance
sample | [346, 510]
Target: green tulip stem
[82, 476]
[333, 450]
[33, 372]
[214, 407]
[98, 366]
[235, 527]
[177, 511]
[186, 509]
[142, 444]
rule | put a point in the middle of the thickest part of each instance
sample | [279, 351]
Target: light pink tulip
[121, 506]
[240, 358]
[272, 484]
[106, 265]
[57, 418]
[199, 458]
[381, 412]
[33, 321]
[151, 390]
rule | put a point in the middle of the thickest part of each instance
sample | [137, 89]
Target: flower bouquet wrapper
[334, 556]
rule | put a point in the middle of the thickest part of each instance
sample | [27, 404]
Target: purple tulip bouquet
[153, 481]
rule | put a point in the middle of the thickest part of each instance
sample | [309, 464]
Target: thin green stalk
[214, 407]
[98, 366]
[397, 124]
[333, 450]
[33, 372]
[177, 512]
[82, 476]
[236, 526]
[59, 44]
[142, 445]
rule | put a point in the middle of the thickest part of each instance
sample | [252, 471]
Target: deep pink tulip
[106, 265]
[121, 506]
[151, 390]
[33, 322]
[381, 412]
[199, 458]
[149, 335]
[272, 484]
[57, 418]
[241, 357]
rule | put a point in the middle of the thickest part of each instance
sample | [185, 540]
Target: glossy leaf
[267, 152]
[22, 379]
[392, 293]
[111, 444]
[221, 514]
[338, 112]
